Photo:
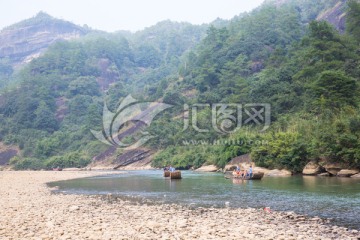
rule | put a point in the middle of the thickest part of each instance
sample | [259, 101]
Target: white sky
[112, 15]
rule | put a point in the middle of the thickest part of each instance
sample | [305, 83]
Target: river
[335, 198]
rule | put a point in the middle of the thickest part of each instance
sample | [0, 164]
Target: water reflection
[238, 181]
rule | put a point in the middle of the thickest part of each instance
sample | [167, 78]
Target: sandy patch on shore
[30, 211]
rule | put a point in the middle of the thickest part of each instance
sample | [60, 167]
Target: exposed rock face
[260, 169]
[26, 40]
[208, 168]
[312, 168]
[278, 173]
[6, 153]
[336, 16]
[131, 156]
[356, 176]
[333, 168]
[244, 161]
[325, 174]
[347, 172]
[143, 164]
[230, 168]
[109, 73]
[240, 159]
[131, 159]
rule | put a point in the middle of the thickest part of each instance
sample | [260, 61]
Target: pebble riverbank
[28, 210]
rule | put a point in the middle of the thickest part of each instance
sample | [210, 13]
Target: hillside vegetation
[278, 54]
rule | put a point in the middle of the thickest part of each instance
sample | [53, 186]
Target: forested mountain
[277, 54]
[61, 93]
[304, 68]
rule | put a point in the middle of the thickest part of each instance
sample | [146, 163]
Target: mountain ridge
[27, 39]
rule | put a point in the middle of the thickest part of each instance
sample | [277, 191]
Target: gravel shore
[28, 210]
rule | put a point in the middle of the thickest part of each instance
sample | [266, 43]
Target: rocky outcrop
[312, 168]
[347, 172]
[261, 169]
[109, 73]
[278, 173]
[240, 159]
[333, 168]
[244, 161]
[131, 156]
[6, 153]
[356, 176]
[229, 168]
[26, 40]
[207, 168]
[338, 169]
[325, 174]
[335, 16]
[130, 159]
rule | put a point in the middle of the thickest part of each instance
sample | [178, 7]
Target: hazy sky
[112, 15]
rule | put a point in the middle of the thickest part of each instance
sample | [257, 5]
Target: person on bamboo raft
[250, 172]
[237, 172]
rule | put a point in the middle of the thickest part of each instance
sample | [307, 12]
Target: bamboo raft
[254, 176]
[175, 175]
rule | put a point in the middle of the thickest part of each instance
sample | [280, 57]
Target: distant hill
[26, 40]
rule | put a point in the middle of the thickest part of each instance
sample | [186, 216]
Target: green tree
[84, 86]
[353, 19]
[45, 118]
[334, 89]
[147, 56]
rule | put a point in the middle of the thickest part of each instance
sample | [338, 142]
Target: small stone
[74, 208]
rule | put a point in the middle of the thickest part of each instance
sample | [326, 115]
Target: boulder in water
[208, 168]
[312, 168]
[347, 172]
[333, 168]
[325, 174]
[278, 173]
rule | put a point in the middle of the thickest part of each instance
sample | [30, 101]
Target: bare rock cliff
[336, 16]
[22, 42]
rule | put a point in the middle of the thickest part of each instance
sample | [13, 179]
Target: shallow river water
[336, 198]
